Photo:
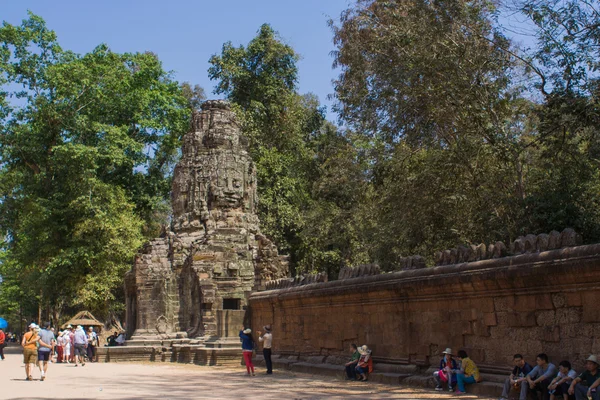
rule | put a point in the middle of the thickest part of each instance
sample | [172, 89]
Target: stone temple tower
[195, 279]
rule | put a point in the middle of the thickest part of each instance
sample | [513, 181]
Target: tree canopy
[86, 144]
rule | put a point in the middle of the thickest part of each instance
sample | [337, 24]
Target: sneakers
[450, 389]
[43, 378]
[439, 388]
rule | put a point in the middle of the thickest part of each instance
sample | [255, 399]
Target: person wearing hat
[267, 339]
[517, 379]
[60, 347]
[30, 353]
[446, 371]
[80, 339]
[68, 341]
[247, 349]
[45, 349]
[584, 386]
[541, 375]
[365, 363]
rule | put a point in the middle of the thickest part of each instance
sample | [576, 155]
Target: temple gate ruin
[193, 282]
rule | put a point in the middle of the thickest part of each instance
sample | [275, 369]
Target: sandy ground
[151, 381]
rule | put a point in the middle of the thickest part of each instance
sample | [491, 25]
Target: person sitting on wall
[120, 340]
[517, 380]
[446, 373]
[541, 376]
[112, 340]
[365, 363]
[584, 386]
[469, 373]
[351, 365]
[559, 387]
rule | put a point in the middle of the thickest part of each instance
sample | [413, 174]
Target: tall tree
[261, 79]
[84, 153]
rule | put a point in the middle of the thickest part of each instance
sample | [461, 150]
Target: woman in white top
[67, 346]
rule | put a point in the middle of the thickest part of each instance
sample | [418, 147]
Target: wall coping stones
[418, 281]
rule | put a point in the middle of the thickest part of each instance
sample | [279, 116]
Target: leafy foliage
[85, 146]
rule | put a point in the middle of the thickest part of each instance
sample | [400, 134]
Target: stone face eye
[237, 183]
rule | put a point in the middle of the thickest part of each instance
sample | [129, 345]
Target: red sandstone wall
[545, 302]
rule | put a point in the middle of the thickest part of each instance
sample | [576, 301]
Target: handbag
[443, 376]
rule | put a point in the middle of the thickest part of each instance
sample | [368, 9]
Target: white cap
[447, 351]
[33, 325]
[247, 331]
[593, 359]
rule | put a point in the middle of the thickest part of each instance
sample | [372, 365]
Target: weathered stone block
[519, 319]
[490, 319]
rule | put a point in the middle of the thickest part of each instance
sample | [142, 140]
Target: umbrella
[3, 323]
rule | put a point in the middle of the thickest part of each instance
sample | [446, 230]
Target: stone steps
[389, 374]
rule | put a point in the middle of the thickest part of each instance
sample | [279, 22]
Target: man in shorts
[80, 345]
[30, 353]
[45, 350]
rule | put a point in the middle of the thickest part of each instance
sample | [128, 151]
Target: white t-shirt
[571, 374]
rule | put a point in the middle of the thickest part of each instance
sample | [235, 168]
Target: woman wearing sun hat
[247, 349]
[448, 366]
[365, 363]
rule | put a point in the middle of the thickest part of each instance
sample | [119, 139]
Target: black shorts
[43, 356]
[80, 350]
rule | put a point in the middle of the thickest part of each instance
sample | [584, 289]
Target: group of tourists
[544, 378]
[249, 346]
[553, 383]
[71, 346]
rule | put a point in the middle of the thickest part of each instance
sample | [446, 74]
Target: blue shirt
[247, 342]
[47, 337]
[444, 363]
[548, 373]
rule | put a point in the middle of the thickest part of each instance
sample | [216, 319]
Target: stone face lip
[195, 279]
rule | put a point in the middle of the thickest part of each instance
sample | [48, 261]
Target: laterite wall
[532, 303]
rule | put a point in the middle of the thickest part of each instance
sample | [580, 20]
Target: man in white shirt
[267, 340]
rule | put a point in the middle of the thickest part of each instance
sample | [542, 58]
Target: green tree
[194, 94]
[261, 80]
[84, 157]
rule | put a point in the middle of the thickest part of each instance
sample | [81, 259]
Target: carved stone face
[227, 190]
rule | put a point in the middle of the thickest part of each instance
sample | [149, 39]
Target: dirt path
[152, 381]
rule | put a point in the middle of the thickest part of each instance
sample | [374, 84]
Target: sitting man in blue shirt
[541, 376]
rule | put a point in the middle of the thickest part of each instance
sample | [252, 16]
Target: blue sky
[185, 33]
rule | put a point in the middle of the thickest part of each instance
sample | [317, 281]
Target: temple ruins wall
[530, 303]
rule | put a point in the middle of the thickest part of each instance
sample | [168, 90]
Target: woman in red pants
[247, 348]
